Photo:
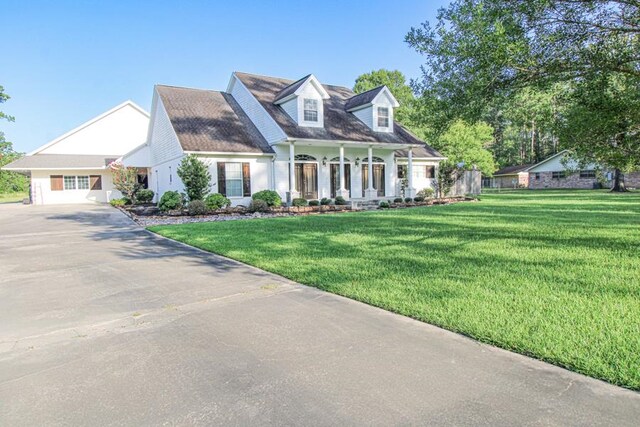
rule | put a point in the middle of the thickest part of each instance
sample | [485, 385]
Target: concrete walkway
[102, 323]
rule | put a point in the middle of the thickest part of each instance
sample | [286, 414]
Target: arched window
[304, 158]
[337, 159]
[374, 159]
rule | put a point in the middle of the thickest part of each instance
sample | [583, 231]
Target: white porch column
[370, 192]
[410, 190]
[342, 191]
[292, 172]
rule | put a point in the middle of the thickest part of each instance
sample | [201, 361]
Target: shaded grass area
[12, 197]
[550, 274]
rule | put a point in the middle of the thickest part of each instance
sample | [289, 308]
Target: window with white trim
[310, 110]
[69, 182]
[83, 183]
[233, 179]
[383, 117]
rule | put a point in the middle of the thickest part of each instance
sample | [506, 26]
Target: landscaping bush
[127, 201]
[426, 193]
[408, 200]
[397, 200]
[195, 176]
[170, 200]
[314, 203]
[258, 205]
[299, 202]
[144, 195]
[272, 198]
[384, 205]
[118, 202]
[340, 201]
[325, 201]
[418, 199]
[197, 207]
[216, 201]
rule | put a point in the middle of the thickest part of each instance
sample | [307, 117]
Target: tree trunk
[618, 182]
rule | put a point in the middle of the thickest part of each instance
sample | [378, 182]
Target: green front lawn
[551, 274]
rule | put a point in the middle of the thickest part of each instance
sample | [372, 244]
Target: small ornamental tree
[125, 180]
[446, 178]
[195, 176]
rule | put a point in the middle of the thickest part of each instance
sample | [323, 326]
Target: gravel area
[148, 221]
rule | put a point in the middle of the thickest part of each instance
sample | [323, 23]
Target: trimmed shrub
[314, 203]
[426, 193]
[195, 176]
[325, 201]
[144, 195]
[408, 200]
[118, 202]
[127, 201]
[340, 201]
[170, 200]
[397, 200]
[418, 199]
[299, 202]
[258, 205]
[272, 198]
[216, 201]
[384, 205]
[197, 207]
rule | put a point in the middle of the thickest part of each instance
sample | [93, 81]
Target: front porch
[356, 172]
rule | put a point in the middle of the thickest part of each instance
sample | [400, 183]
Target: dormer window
[310, 110]
[383, 117]
[303, 101]
[374, 108]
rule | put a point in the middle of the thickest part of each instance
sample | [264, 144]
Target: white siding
[291, 108]
[252, 108]
[164, 177]
[42, 194]
[366, 116]
[555, 165]
[420, 183]
[163, 142]
[116, 133]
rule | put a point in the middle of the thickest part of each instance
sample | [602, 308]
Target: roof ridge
[186, 87]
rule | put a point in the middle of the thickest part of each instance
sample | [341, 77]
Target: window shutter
[56, 183]
[246, 180]
[430, 171]
[96, 182]
[222, 180]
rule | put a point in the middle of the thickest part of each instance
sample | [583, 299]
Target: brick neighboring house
[509, 177]
[559, 172]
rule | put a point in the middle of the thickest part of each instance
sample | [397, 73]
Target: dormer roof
[339, 125]
[295, 88]
[370, 97]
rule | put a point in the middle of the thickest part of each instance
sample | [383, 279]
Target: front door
[335, 178]
[307, 180]
[378, 178]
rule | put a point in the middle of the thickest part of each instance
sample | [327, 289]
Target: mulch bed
[149, 215]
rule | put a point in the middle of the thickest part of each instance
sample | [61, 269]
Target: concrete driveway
[103, 323]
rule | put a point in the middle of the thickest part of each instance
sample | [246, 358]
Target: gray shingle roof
[363, 98]
[61, 161]
[207, 120]
[512, 170]
[291, 88]
[339, 125]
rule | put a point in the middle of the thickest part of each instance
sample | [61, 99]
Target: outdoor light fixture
[357, 161]
[324, 161]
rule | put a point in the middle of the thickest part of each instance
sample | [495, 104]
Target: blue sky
[64, 62]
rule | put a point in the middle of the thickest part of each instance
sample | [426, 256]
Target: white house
[73, 168]
[300, 138]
